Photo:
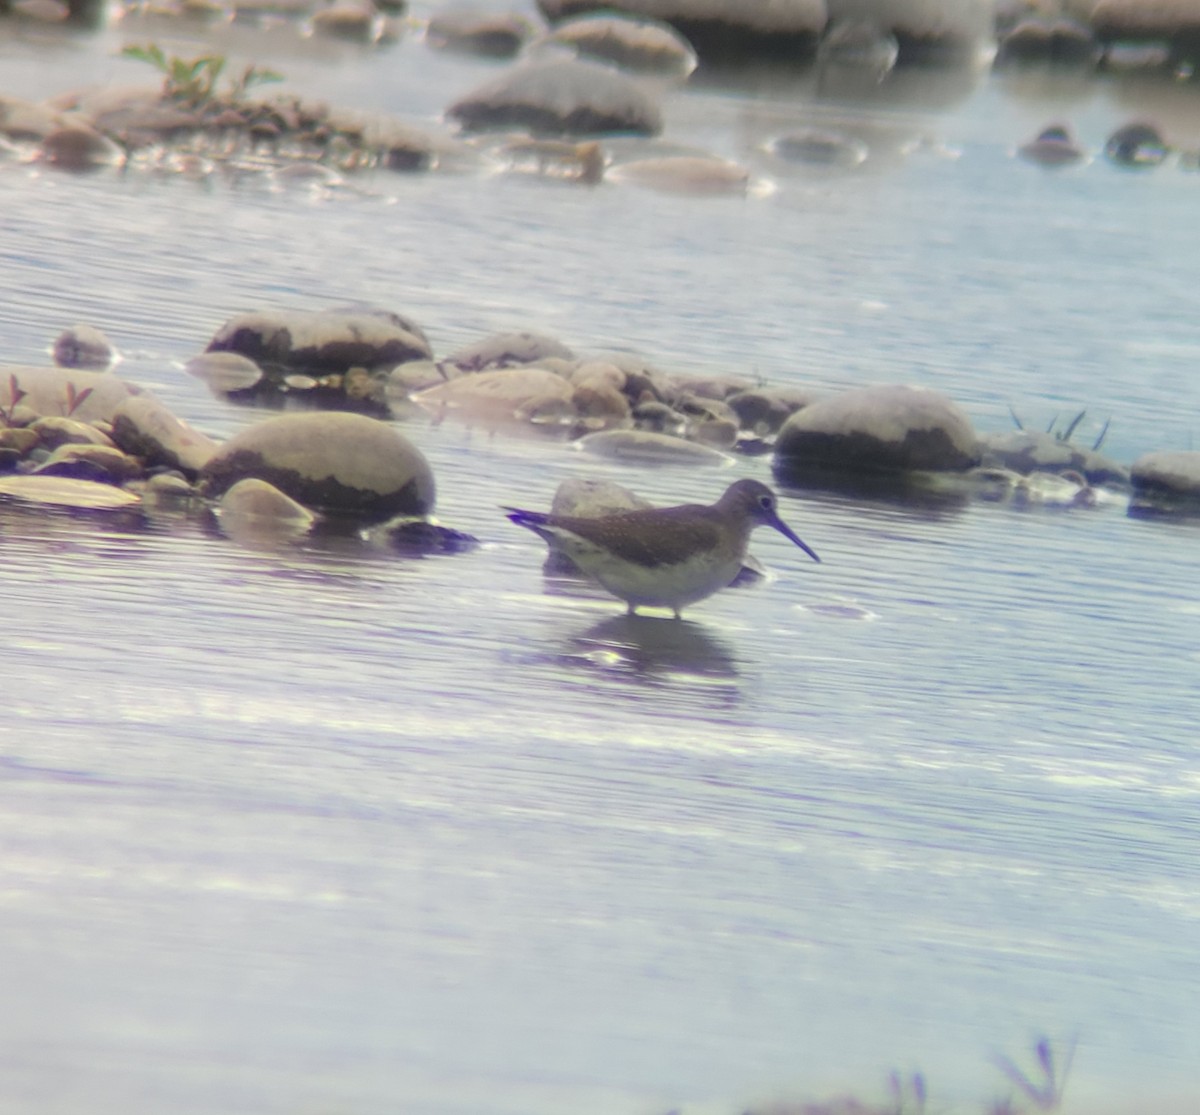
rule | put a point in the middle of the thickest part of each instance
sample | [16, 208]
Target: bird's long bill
[788, 533]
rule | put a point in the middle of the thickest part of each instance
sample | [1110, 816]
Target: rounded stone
[54, 431]
[1137, 145]
[78, 147]
[1028, 451]
[646, 46]
[254, 498]
[879, 429]
[721, 30]
[1053, 146]
[561, 97]
[506, 350]
[588, 499]
[1166, 481]
[84, 346]
[146, 428]
[225, 372]
[499, 395]
[337, 463]
[322, 342]
[107, 458]
[763, 411]
[488, 34]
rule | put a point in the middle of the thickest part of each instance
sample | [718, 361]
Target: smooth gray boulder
[339, 464]
[322, 342]
[887, 429]
[561, 97]
[1165, 482]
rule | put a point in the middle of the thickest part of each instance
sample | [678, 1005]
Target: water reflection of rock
[652, 645]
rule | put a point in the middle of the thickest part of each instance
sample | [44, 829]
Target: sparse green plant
[1064, 434]
[194, 80]
[1046, 1093]
[75, 398]
[15, 395]
[902, 1090]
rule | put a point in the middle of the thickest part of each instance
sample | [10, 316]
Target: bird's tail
[531, 519]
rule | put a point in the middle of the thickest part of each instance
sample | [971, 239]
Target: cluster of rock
[84, 438]
[579, 78]
[89, 441]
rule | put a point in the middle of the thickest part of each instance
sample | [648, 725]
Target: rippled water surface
[317, 827]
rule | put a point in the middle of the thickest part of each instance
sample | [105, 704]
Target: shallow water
[318, 827]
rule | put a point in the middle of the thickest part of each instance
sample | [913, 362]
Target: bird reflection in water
[652, 645]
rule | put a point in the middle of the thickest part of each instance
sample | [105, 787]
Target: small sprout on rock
[194, 80]
[15, 395]
[1046, 1094]
[76, 398]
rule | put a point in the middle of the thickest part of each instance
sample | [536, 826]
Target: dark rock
[888, 429]
[489, 34]
[1029, 451]
[763, 410]
[53, 431]
[1062, 42]
[1166, 482]
[1176, 25]
[505, 350]
[343, 465]
[416, 536]
[725, 30]
[78, 147]
[1053, 147]
[1137, 145]
[561, 97]
[322, 342]
[641, 45]
[108, 460]
[144, 427]
[84, 346]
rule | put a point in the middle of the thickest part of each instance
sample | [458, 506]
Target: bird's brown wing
[659, 539]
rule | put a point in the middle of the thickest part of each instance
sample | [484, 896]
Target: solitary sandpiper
[665, 557]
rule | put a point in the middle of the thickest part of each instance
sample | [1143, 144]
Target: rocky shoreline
[348, 378]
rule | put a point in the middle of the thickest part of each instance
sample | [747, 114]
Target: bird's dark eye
[766, 502]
